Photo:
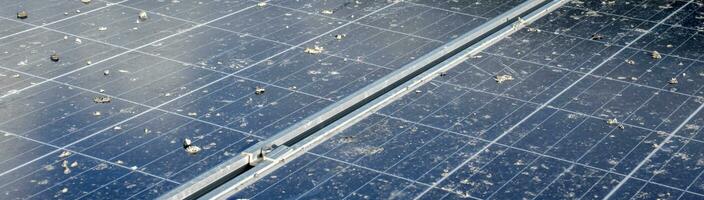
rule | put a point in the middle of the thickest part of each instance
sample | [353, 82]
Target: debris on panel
[315, 50]
[673, 81]
[613, 121]
[597, 36]
[630, 62]
[340, 36]
[192, 114]
[261, 4]
[670, 46]
[102, 28]
[89, 62]
[143, 15]
[259, 90]
[592, 13]
[189, 147]
[65, 190]
[503, 78]
[97, 113]
[192, 149]
[531, 29]
[102, 99]
[67, 170]
[187, 142]
[54, 57]
[22, 15]
[78, 41]
[85, 1]
[443, 74]
[327, 11]
[656, 55]
[74, 164]
[106, 72]
[64, 154]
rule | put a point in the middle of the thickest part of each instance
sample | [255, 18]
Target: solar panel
[547, 133]
[108, 115]
[595, 100]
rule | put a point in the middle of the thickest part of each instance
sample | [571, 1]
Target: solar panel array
[592, 112]
[108, 119]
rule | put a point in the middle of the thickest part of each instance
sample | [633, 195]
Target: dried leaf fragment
[102, 99]
[315, 50]
[143, 15]
[503, 78]
[54, 57]
[656, 55]
[597, 36]
[192, 149]
[673, 81]
[259, 90]
[612, 121]
[22, 15]
[327, 11]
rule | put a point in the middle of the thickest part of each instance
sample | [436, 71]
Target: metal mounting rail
[266, 156]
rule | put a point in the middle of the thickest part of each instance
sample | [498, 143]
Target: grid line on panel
[108, 4]
[177, 172]
[566, 6]
[461, 13]
[558, 109]
[436, 110]
[665, 164]
[393, 137]
[129, 51]
[142, 113]
[357, 23]
[290, 45]
[670, 134]
[383, 173]
[460, 95]
[597, 76]
[654, 131]
[687, 189]
[532, 152]
[88, 156]
[125, 100]
[652, 153]
[540, 108]
[628, 17]
[192, 64]
[628, 116]
[167, 111]
[223, 72]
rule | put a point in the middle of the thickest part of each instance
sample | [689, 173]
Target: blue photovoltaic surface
[189, 71]
[543, 135]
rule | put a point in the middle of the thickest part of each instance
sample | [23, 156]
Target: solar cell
[543, 135]
[595, 100]
[188, 71]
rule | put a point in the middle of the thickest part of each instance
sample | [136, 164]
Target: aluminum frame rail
[266, 156]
